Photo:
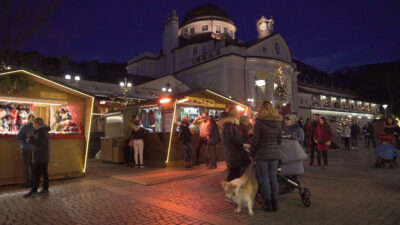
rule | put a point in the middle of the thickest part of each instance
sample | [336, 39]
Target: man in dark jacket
[370, 135]
[355, 131]
[23, 136]
[310, 133]
[40, 157]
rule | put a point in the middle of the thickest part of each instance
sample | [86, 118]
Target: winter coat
[346, 132]
[267, 138]
[214, 136]
[370, 130]
[244, 131]
[323, 136]
[312, 126]
[40, 142]
[232, 142]
[139, 133]
[23, 134]
[185, 135]
[390, 129]
[295, 131]
[355, 130]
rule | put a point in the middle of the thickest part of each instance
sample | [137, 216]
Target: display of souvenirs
[315, 100]
[336, 105]
[151, 118]
[64, 122]
[326, 102]
[13, 116]
[352, 105]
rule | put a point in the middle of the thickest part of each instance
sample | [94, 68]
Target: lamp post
[166, 88]
[384, 107]
[125, 87]
[73, 81]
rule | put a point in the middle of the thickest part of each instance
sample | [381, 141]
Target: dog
[242, 191]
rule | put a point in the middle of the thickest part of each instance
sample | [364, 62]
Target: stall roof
[45, 80]
[204, 93]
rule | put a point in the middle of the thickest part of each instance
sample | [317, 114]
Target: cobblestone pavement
[350, 191]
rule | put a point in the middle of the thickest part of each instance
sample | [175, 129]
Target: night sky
[326, 34]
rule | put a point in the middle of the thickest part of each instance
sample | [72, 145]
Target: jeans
[27, 160]
[347, 143]
[188, 151]
[212, 154]
[227, 156]
[313, 148]
[202, 141]
[354, 142]
[369, 139]
[39, 170]
[267, 170]
[324, 156]
[138, 146]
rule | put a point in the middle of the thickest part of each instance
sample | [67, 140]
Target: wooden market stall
[66, 111]
[162, 118]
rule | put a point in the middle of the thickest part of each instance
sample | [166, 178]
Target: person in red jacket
[323, 138]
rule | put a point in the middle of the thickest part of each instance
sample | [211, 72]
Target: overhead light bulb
[68, 77]
[121, 84]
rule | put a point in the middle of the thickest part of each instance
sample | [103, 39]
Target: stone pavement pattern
[350, 191]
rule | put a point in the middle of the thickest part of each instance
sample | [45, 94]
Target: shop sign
[220, 105]
[199, 102]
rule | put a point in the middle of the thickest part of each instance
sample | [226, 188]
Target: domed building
[203, 52]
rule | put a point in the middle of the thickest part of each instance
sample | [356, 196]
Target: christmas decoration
[64, 122]
[281, 89]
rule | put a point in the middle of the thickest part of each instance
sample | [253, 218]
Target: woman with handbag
[323, 139]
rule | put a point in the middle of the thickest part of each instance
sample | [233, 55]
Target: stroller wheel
[306, 197]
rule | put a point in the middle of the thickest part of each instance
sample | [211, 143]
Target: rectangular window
[204, 28]
[195, 51]
[185, 32]
[218, 29]
[225, 30]
[191, 31]
[204, 50]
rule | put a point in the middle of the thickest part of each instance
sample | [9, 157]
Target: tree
[20, 21]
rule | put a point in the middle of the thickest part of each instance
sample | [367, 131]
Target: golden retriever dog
[242, 191]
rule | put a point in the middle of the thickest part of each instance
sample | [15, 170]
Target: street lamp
[384, 107]
[167, 88]
[125, 87]
[74, 81]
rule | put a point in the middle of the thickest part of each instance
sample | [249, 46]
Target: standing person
[323, 139]
[266, 152]
[128, 137]
[23, 136]
[224, 117]
[391, 130]
[355, 131]
[365, 131]
[185, 136]
[370, 135]
[345, 133]
[306, 137]
[310, 133]
[40, 157]
[232, 141]
[138, 134]
[246, 131]
[212, 141]
[203, 122]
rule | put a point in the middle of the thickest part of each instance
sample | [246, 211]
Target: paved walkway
[350, 191]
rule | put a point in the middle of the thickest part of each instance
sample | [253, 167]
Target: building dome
[206, 12]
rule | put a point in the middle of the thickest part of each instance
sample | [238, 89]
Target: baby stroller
[386, 153]
[290, 166]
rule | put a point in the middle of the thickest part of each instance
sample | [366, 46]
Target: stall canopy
[22, 89]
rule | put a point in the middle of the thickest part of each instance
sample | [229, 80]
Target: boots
[274, 205]
[268, 205]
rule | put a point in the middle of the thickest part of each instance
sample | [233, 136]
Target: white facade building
[203, 53]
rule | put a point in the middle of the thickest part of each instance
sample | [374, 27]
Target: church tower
[265, 27]
[170, 41]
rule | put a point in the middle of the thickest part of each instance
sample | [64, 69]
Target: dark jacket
[232, 142]
[370, 130]
[312, 126]
[139, 134]
[390, 129]
[355, 130]
[23, 134]
[40, 142]
[185, 135]
[267, 138]
[214, 136]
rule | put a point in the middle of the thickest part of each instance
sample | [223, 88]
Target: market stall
[162, 117]
[65, 110]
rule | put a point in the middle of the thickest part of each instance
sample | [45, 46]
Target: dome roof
[204, 12]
